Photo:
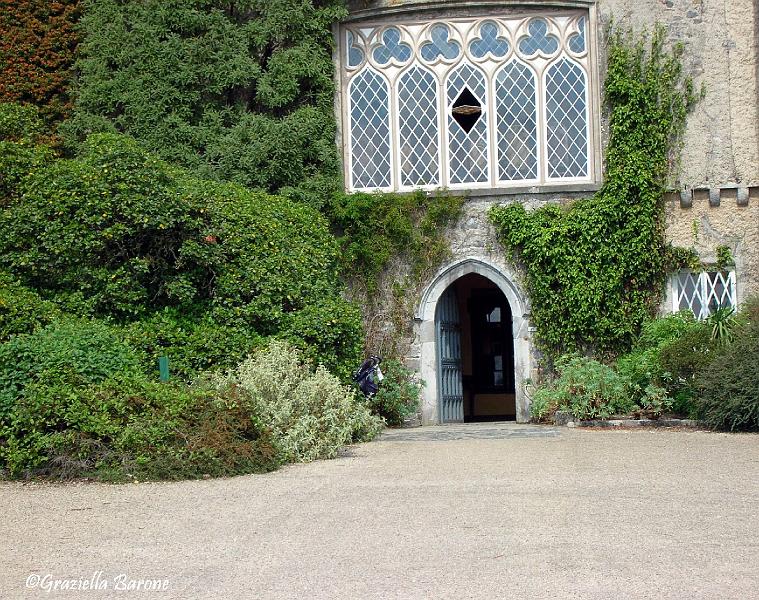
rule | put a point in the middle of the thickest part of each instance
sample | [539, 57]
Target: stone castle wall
[717, 202]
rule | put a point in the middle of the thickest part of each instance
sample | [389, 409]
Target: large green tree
[241, 91]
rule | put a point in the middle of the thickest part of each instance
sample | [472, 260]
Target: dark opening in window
[467, 110]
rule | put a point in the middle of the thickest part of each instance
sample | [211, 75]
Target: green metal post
[163, 367]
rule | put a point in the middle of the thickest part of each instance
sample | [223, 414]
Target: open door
[450, 372]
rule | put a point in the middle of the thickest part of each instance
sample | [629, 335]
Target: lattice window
[703, 293]
[468, 102]
[566, 120]
[419, 135]
[370, 131]
[516, 110]
[467, 150]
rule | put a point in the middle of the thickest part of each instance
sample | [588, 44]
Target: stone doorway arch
[427, 336]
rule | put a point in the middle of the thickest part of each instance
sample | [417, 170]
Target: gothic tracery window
[467, 103]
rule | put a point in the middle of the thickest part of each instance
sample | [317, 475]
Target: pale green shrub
[310, 413]
[586, 388]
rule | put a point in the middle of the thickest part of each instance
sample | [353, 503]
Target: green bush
[71, 353]
[586, 388]
[239, 91]
[728, 386]
[682, 360]
[328, 333]
[117, 233]
[129, 428]
[22, 310]
[310, 413]
[398, 394]
[21, 153]
[192, 343]
[642, 367]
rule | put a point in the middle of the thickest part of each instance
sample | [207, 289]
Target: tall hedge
[37, 51]
[117, 233]
[240, 91]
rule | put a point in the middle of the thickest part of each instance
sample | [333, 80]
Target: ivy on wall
[595, 269]
[37, 51]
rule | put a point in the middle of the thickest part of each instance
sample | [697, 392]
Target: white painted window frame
[562, 24]
[704, 290]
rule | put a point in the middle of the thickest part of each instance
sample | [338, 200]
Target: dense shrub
[37, 51]
[71, 353]
[236, 90]
[130, 428]
[310, 413]
[642, 367]
[21, 152]
[192, 343]
[728, 387]
[398, 394]
[682, 360]
[22, 310]
[328, 333]
[586, 388]
[117, 233]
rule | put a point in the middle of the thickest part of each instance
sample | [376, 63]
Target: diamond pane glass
[539, 40]
[439, 45]
[718, 290]
[517, 130]
[689, 293]
[370, 130]
[467, 152]
[577, 40]
[418, 120]
[355, 55]
[566, 120]
[392, 48]
[489, 42]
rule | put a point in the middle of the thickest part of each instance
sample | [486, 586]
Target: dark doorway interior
[487, 348]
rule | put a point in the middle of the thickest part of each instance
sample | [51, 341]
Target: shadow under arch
[425, 317]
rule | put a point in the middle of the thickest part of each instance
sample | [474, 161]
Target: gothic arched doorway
[475, 352]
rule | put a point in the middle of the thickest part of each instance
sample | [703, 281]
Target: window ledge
[522, 190]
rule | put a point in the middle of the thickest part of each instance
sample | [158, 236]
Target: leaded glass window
[703, 293]
[468, 102]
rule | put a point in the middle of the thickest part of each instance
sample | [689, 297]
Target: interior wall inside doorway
[477, 406]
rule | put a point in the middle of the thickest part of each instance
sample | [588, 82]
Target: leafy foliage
[311, 414]
[22, 310]
[728, 388]
[374, 228]
[130, 428]
[595, 270]
[586, 388]
[398, 394]
[71, 353]
[241, 91]
[21, 150]
[642, 366]
[37, 53]
[118, 233]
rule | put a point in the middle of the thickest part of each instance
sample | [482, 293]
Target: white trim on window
[400, 44]
[703, 292]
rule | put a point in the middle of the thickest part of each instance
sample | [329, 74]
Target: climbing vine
[595, 269]
[391, 243]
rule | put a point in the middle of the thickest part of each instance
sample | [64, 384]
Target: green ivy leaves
[595, 270]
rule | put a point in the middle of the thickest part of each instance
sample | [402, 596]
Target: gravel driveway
[473, 511]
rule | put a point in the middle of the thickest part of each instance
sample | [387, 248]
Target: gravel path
[475, 511]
